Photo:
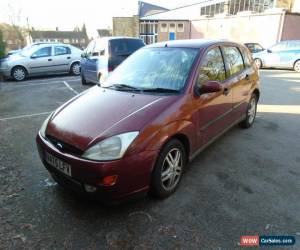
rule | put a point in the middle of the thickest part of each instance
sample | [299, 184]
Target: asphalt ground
[246, 183]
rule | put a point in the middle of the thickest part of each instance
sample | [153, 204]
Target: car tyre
[19, 73]
[250, 113]
[297, 66]
[258, 63]
[168, 169]
[83, 80]
[75, 69]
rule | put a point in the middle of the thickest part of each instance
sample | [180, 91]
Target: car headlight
[112, 148]
[44, 126]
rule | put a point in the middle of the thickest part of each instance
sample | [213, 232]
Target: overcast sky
[66, 14]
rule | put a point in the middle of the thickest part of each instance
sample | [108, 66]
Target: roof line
[180, 7]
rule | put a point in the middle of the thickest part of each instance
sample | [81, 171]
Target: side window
[43, 52]
[247, 58]
[61, 50]
[293, 45]
[90, 48]
[278, 47]
[99, 48]
[233, 59]
[212, 67]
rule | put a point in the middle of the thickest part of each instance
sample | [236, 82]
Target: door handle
[68, 57]
[225, 91]
[49, 60]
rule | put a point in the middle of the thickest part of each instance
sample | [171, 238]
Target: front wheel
[297, 66]
[18, 73]
[168, 169]
[250, 113]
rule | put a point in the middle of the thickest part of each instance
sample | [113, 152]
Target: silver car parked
[43, 59]
[283, 55]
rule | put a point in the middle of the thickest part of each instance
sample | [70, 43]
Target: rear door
[241, 70]
[290, 54]
[62, 58]
[214, 109]
[41, 61]
[120, 49]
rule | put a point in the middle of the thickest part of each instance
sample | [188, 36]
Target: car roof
[191, 43]
[109, 38]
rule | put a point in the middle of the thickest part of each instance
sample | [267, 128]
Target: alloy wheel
[172, 169]
[19, 74]
[252, 110]
[76, 69]
[297, 66]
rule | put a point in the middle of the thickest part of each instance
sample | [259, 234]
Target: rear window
[125, 47]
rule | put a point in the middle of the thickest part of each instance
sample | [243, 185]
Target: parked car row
[136, 132]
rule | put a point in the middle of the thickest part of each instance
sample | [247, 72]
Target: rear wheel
[258, 63]
[250, 113]
[297, 66]
[19, 73]
[75, 69]
[168, 169]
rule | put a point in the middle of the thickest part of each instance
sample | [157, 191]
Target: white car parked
[43, 59]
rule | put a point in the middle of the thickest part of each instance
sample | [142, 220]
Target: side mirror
[208, 87]
[83, 55]
[33, 57]
[269, 51]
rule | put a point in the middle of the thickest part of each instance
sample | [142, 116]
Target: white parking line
[70, 88]
[24, 116]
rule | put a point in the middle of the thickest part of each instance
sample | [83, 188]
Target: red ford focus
[154, 114]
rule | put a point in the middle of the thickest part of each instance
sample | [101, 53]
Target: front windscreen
[155, 68]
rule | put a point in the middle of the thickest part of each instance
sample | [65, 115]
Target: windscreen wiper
[160, 90]
[125, 87]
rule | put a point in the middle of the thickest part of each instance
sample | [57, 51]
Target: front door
[41, 61]
[214, 109]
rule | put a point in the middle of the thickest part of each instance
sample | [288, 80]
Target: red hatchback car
[154, 114]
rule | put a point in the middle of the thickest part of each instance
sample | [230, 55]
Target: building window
[180, 27]
[172, 27]
[202, 11]
[163, 27]
[143, 28]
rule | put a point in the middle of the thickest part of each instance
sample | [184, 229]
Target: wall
[126, 26]
[296, 6]
[261, 28]
[291, 27]
[164, 36]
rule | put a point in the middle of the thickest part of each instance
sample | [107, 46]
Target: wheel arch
[257, 93]
[19, 66]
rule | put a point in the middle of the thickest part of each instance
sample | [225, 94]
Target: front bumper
[134, 173]
[5, 72]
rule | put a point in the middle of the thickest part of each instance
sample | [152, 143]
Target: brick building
[239, 20]
[77, 37]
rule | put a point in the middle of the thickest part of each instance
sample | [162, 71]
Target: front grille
[64, 147]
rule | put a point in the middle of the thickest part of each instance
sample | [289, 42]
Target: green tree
[2, 45]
